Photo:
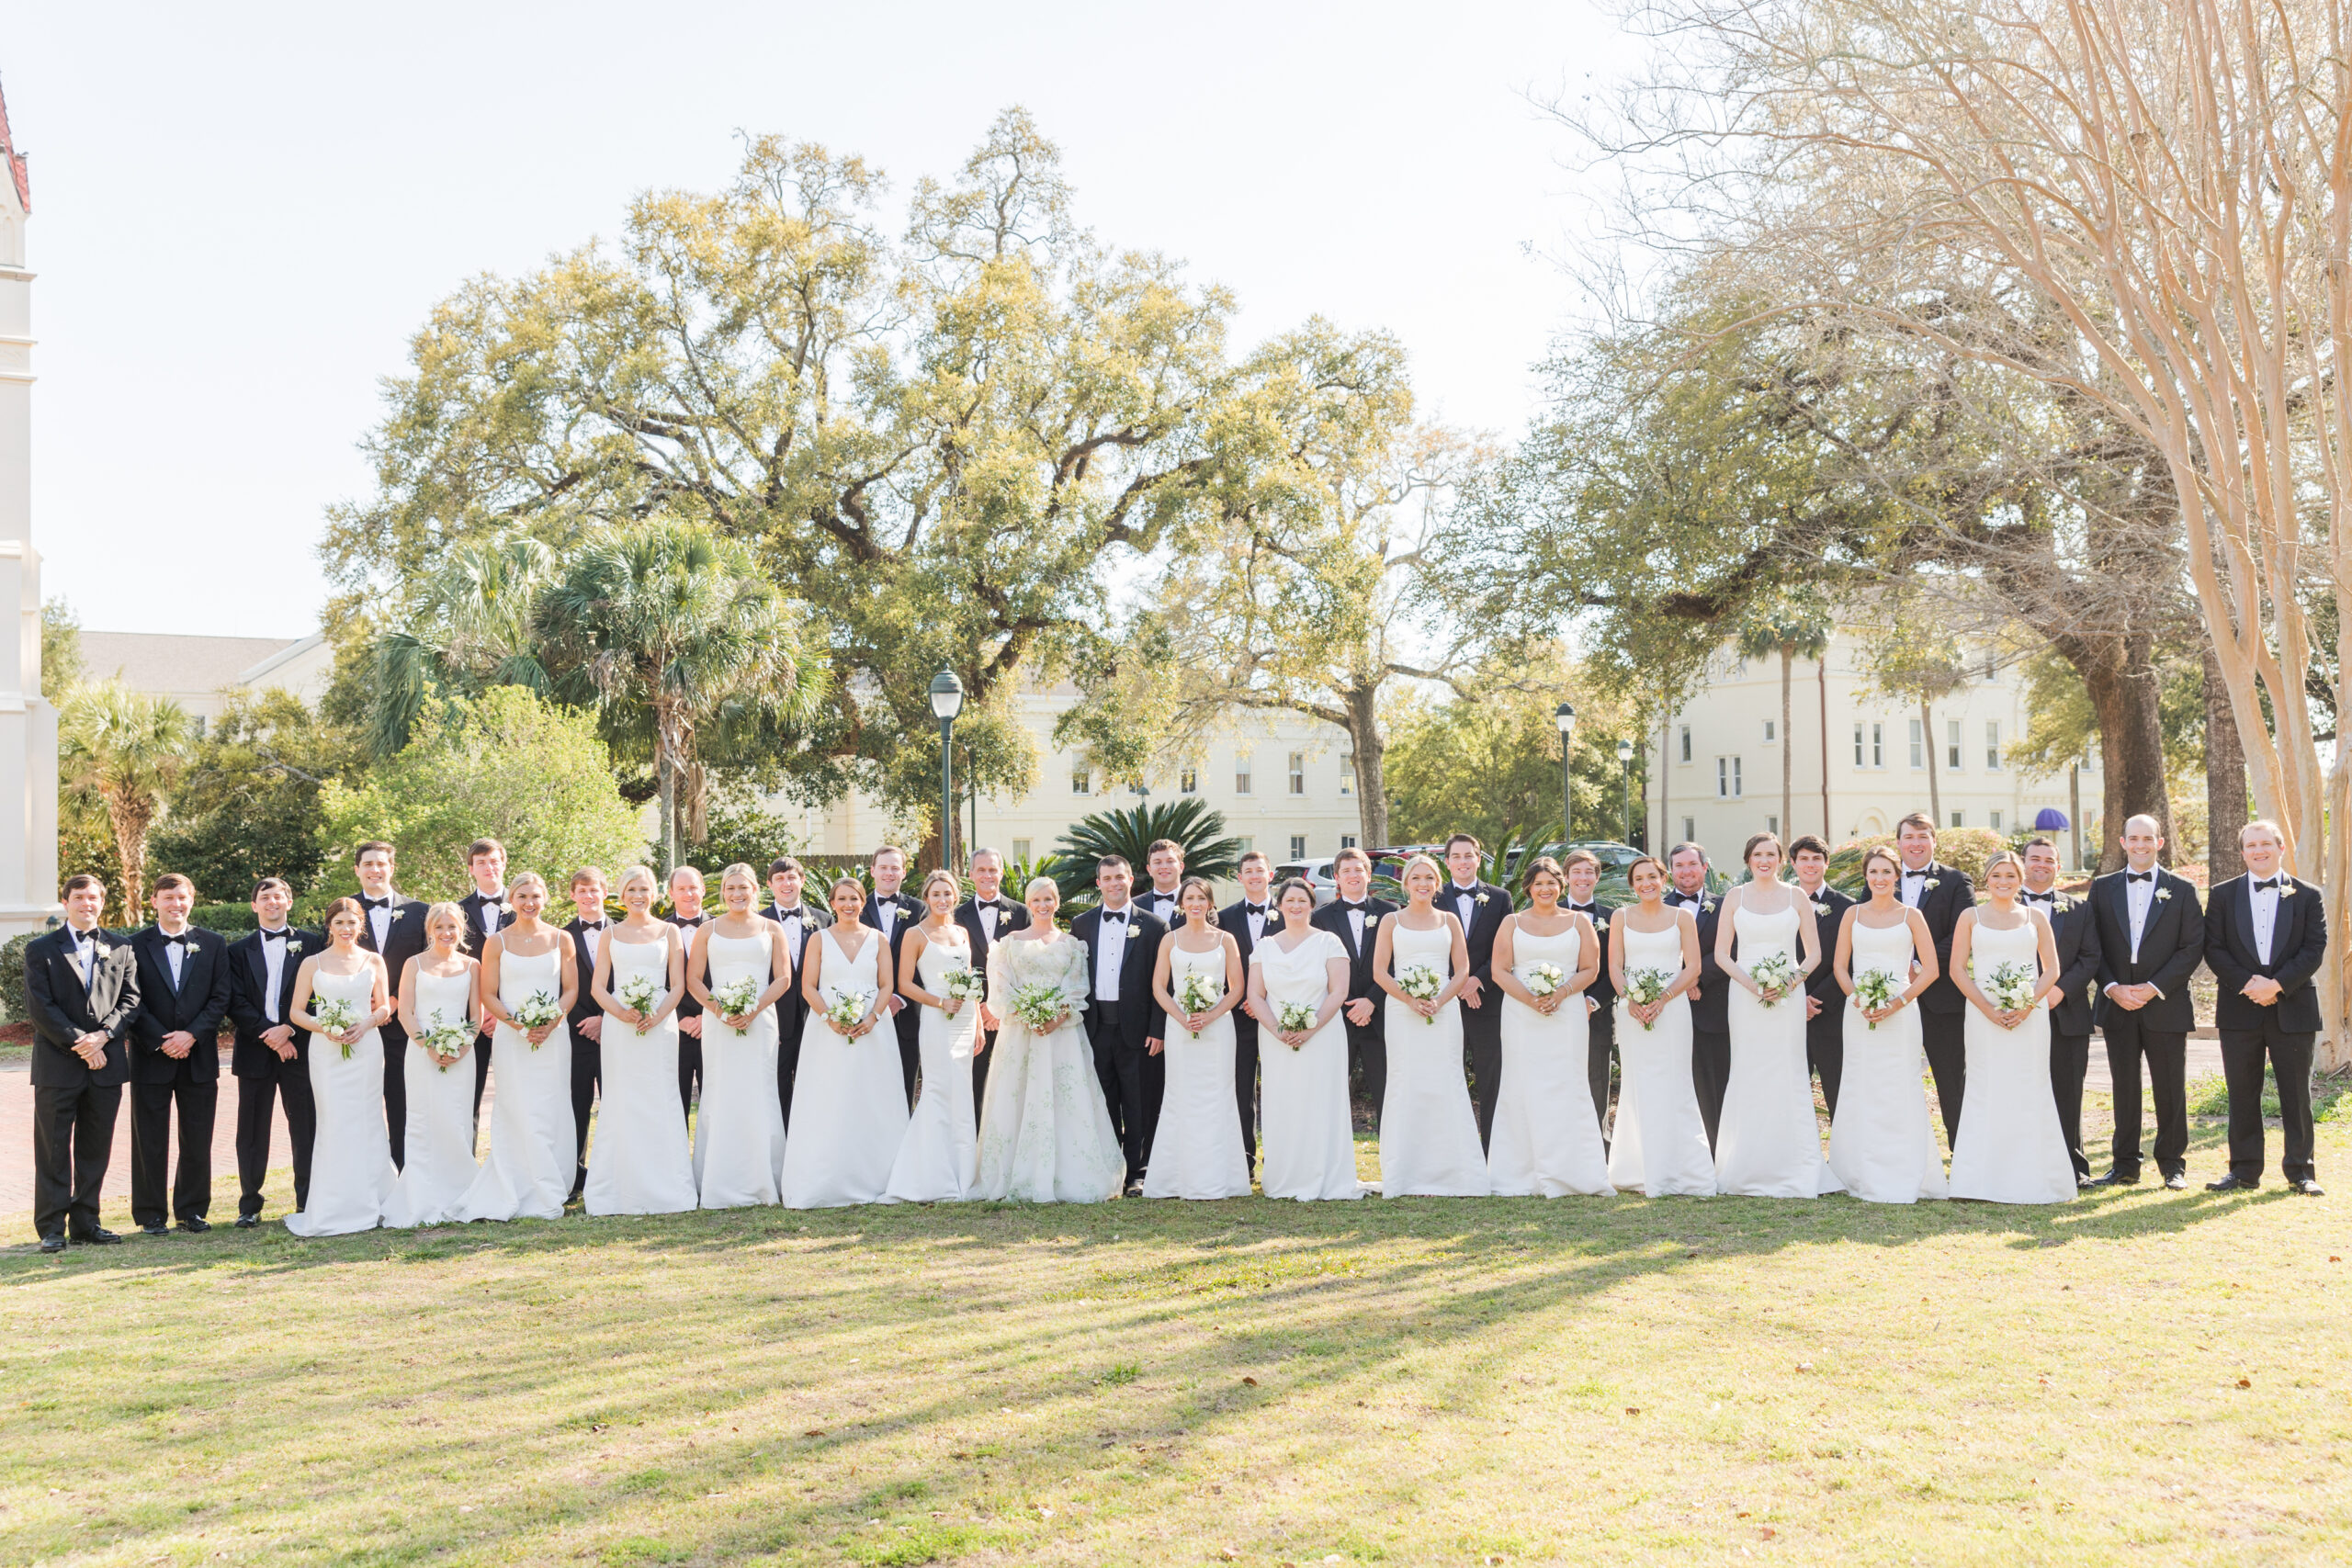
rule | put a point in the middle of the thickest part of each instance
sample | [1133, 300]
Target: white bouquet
[734, 998]
[1038, 1003]
[1292, 1018]
[2010, 985]
[638, 993]
[1776, 973]
[1874, 989]
[446, 1041]
[1644, 986]
[963, 984]
[538, 1010]
[1198, 994]
[1542, 980]
[848, 1010]
[1421, 983]
[335, 1016]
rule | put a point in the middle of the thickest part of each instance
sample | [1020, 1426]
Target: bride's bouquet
[1294, 1018]
[1776, 973]
[335, 1016]
[1038, 1003]
[964, 984]
[1644, 986]
[1542, 980]
[445, 1041]
[734, 998]
[848, 1010]
[1422, 984]
[2010, 985]
[640, 992]
[1198, 994]
[1874, 989]
[539, 1010]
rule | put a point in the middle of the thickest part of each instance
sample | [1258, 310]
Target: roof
[172, 661]
[17, 169]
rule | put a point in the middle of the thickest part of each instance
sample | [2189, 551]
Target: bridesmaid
[939, 1158]
[1660, 1143]
[1308, 1128]
[533, 1151]
[640, 1163]
[351, 1169]
[1769, 1142]
[738, 1131]
[851, 1095]
[1543, 1144]
[1196, 1150]
[1882, 1142]
[2010, 1148]
[438, 987]
[1428, 1136]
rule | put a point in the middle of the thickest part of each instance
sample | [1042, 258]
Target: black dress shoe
[2116, 1178]
[99, 1237]
[196, 1227]
[2178, 1181]
[248, 1222]
[2232, 1182]
[2308, 1188]
[53, 1244]
[158, 1228]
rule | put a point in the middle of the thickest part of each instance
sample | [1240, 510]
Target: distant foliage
[740, 828]
[1964, 849]
[1130, 832]
[247, 806]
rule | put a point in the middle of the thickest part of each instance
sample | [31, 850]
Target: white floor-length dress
[1882, 1143]
[849, 1097]
[1768, 1143]
[739, 1122]
[2009, 1148]
[351, 1159]
[1429, 1135]
[533, 1150]
[640, 1162]
[1546, 1145]
[1660, 1143]
[1196, 1149]
[939, 1157]
[1307, 1130]
[441, 1164]
[1045, 1135]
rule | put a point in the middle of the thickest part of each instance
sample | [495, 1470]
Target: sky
[241, 212]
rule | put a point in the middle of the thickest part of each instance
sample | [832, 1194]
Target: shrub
[1964, 850]
[12, 977]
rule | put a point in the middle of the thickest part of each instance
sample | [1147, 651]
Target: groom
[394, 928]
[2150, 940]
[1123, 1021]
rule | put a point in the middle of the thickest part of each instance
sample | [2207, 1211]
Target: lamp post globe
[946, 702]
[1564, 715]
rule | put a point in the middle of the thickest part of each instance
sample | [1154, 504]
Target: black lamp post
[1564, 715]
[1625, 787]
[946, 701]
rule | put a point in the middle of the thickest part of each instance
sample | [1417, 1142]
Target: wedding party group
[836, 1045]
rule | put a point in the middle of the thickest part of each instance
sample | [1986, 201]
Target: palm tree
[471, 630]
[663, 626]
[129, 748]
[1795, 628]
[1130, 834]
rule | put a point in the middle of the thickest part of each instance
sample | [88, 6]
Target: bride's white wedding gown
[1660, 1144]
[1768, 1143]
[849, 1100]
[2010, 1148]
[351, 1163]
[533, 1151]
[1045, 1135]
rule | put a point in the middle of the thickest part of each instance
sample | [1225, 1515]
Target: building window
[1690, 829]
[1992, 669]
[1878, 745]
[1021, 850]
[1188, 780]
[1686, 742]
[1347, 841]
[1918, 745]
[1298, 846]
[1771, 824]
[1348, 775]
[1081, 782]
[1298, 776]
[1995, 818]
[1952, 744]
[1241, 775]
[1728, 778]
[1992, 746]
[1771, 731]
[1246, 845]
[1958, 818]
[1858, 746]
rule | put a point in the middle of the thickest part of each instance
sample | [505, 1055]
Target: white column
[27, 721]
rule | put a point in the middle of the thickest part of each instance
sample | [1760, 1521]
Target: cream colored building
[198, 672]
[27, 720]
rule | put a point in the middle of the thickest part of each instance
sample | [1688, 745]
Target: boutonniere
[1600, 923]
[2163, 892]
[1481, 899]
[1932, 883]
[1369, 921]
[1820, 908]
[294, 944]
[1706, 905]
[2286, 890]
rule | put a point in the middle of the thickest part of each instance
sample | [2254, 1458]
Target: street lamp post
[1564, 715]
[946, 701]
[1625, 787]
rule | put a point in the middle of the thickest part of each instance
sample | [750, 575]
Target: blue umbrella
[2049, 818]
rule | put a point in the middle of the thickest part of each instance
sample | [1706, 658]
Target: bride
[1045, 1135]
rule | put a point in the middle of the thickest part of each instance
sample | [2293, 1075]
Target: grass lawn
[2141, 1377]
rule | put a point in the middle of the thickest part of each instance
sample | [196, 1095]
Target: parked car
[1315, 874]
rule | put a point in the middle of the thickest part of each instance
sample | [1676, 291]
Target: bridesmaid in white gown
[439, 989]
[1769, 1142]
[533, 1151]
[1545, 1145]
[939, 1158]
[1307, 1131]
[351, 1163]
[1428, 1136]
[1882, 1142]
[2010, 1148]
[640, 1162]
[1659, 1148]
[740, 1152]
[1045, 1134]
[1196, 1151]
[851, 1095]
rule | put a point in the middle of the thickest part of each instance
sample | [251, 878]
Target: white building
[27, 721]
[1859, 758]
[198, 671]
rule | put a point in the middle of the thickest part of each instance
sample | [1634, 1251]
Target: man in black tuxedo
[1687, 867]
[1248, 920]
[2076, 934]
[1824, 1004]
[1123, 1020]
[1939, 894]
[587, 928]
[2150, 940]
[987, 914]
[394, 927]
[487, 913]
[81, 992]
[894, 912]
[1481, 907]
[2265, 937]
[1164, 864]
[175, 1060]
[1582, 868]
[1354, 918]
[270, 1055]
[800, 920]
[686, 913]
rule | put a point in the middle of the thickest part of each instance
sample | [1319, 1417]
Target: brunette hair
[1756, 839]
[887, 849]
[1172, 847]
[1352, 852]
[1256, 855]
[481, 847]
[1545, 865]
[1112, 862]
[594, 873]
[954, 883]
[1638, 861]
[1800, 845]
[78, 881]
[840, 882]
[361, 850]
[263, 885]
[340, 907]
[1469, 839]
[171, 879]
[1207, 893]
[1880, 851]
[781, 864]
[1294, 884]
[1578, 857]
[1916, 819]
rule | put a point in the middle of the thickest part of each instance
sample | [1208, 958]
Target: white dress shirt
[795, 921]
[1163, 904]
[987, 914]
[1915, 886]
[887, 912]
[2138, 897]
[490, 911]
[595, 935]
[273, 963]
[85, 956]
[1466, 900]
[379, 920]
[1256, 915]
[176, 953]
[1111, 953]
[2266, 918]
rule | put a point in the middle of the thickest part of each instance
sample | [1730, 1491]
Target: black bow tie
[1108, 916]
[185, 939]
[268, 935]
[1255, 909]
[594, 925]
[2043, 898]
[2139, 876]
[2268, 881]
[367, 903]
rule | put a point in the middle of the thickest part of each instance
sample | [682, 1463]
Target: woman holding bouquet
[1196, 1150]
[1768, 1143]
[640, 1163]
[2010, 1148]
[1298, 983]
[1545, 1145]
[1429, 1135]
[1045, 1134]
[340, 996]
[528, 982]
[939, 1157]
[737, 968]
[441, 1009]
[1882, 1147]
[1660, 1144]
[851, 1095]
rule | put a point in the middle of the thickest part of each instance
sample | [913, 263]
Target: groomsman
[1685, 865]
[2076, 933]
[1824, 1004]
[1248, 920]
[81, 992]
[270, 1057]
[894, 913]
[1583, 869]
[987, 914]
[487, 912]
[1481, 907]
[2150, 940]
[175, 1060]
[586, 927]
[394, 928]
[1354, 918]
[1122, 1022]
[686, 913]
[800, 920]
[1164, 861]
[1939, 894]
[2265, 937]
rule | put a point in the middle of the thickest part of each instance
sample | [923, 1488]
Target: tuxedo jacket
[2076, 932]
[1333, 917]
[687, 1006]
[1010, 917]
[584, 1006]
[1603, 990]
[1135, 1016]
[1711, 1011]
[477, 907]
[1234, 920]
[198, 1004]
[1940, 905]
[1160, 907]
[404, 940]
[249, 986]
[1822, 983]
[2298, 947]
[62, 1009]
[2172, 944]
[1478, 930]
[802, 923]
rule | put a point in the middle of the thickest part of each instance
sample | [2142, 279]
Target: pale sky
[241, 212]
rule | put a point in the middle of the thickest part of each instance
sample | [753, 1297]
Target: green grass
[2209, 1096]
[2140, 1377]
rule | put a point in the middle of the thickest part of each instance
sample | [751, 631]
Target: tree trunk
[665, 776]
[2121, 680]
[2225, 778]
[1664, 779]
[1372, 753]
[130, 820]
[1928, 751]
[1829, 833]
[1788, 747]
